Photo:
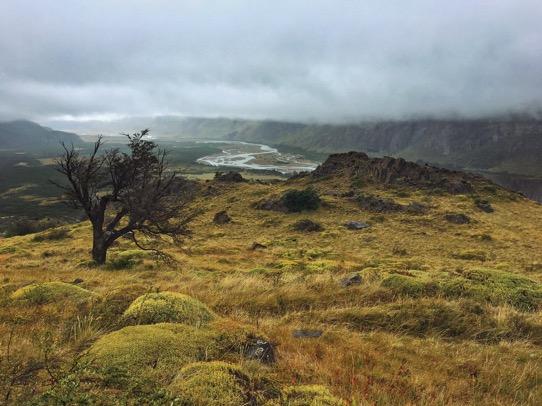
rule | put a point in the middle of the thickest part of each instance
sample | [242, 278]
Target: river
[247, 155]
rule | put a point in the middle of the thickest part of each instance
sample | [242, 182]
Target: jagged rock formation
[388, 170]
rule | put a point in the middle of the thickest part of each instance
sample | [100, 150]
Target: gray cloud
[298, 60]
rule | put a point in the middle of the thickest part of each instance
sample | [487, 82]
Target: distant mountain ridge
[30, 136]
[507, 145]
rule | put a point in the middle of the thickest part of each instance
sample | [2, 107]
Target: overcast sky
[297, 60]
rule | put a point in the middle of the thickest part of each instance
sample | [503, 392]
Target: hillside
[496, 145]
[25, 135]
[434, 296]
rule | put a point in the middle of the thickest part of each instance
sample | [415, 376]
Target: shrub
[126, 259]
[172, 307]
[310, 395]
[300, 200]
[47, 292]
[212, 384]
[24, 226]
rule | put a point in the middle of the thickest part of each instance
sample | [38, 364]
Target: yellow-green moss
[310, 395]
[168, 307]
[47, 292]
[482, 285]
[157, 351]
[212, 384]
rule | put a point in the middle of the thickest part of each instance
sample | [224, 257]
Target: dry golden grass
[364, 356]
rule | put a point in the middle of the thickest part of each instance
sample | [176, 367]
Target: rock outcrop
[396, 171]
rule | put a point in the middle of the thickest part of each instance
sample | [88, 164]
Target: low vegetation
[173, 307]
[412, 309]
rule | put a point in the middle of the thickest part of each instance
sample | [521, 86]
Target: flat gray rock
[356, 225]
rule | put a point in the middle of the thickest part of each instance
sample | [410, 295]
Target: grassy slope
[365, 355]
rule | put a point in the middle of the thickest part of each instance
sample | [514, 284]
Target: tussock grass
[425, 326]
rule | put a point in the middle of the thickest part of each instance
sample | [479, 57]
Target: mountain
[30, 136]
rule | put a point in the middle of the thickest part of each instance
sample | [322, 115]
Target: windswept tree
[125, 194]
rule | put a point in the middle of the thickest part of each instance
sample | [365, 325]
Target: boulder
[257, 246]
[484, 205]
[356, 225]
[457, 218]
[377, 204]
[307, 225]
[230, 176]
[271, 204]
[261, 350]
[221, 218]
[354, 279]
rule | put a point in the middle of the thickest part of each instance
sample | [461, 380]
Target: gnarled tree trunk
[99, 247]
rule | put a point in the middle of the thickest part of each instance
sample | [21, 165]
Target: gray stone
[354, 279]
[260, 350]
[356, 225]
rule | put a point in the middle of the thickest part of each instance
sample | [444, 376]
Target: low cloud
[297, 60]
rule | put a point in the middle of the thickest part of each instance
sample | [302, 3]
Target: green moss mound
[157, 351]
[482, 285]
[212, 384]
[168, 307]
[310, 395]
[47, 292]
[495, 287]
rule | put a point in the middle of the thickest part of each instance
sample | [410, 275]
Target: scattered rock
[260, 350]
[356, 225]
[230, 176]
[377, 204]
[307, 333]
[307, 225]
[354, 279]
[271, 204]
[457, 218]
[257, 246]
[416, 208]
[221, 217]
[350, 193]
[77, 281]
[484, 205]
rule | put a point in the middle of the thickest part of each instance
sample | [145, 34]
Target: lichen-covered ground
[445, 313]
